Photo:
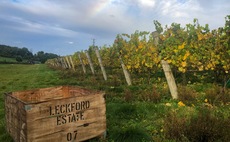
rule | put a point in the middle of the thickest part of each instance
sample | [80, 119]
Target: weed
[175, 127]
[186, 95]
[130, 134]
[128, 96]
[207, 127]
[218, 95]
[202, 127]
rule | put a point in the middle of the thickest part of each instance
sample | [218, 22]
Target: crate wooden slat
[63, 113]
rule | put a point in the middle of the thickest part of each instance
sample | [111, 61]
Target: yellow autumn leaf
[137, 66]
[126, 57]
[183, 64]
[201, 68]
[128, 67]
[175, 50]
[169, 61]
[140, 46]
[148, 65]
[181, 46]
[181, 69]
[149, 54]
[200, 36]
[180, 103]
[152, 49]
[186, 55]
[143, 62]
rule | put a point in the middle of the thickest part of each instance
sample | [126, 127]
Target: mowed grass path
[23, 77]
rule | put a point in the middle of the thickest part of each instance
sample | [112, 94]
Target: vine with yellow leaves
[193, 48]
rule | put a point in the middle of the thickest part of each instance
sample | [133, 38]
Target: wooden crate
[56, 114]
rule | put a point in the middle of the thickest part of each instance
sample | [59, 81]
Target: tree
[19, 59]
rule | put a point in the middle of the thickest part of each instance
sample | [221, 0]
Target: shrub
[186, 94]
[208, 128]
[128, 96]
[152, 95]
[175, 127]
[204, 126]
[218, 95]
[19, 59]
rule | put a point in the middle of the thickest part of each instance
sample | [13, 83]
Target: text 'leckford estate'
[69, 112]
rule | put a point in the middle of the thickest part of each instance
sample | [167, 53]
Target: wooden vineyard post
[62, 63]
[126, 73]
[54, 63]
[167, 71]
[100, 62]
[65, 62]
[68, 63]
[90, 62]
[71, 61]
[58, 62]
[65, 66]
[82, 64]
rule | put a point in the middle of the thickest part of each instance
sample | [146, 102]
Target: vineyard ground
[140, 112]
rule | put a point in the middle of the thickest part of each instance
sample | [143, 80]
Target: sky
[64, 27]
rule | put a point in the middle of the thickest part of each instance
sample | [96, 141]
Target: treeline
[22, 54]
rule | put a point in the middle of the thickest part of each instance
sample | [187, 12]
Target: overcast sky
[66, 26]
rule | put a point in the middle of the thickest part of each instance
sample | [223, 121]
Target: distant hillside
[9, 54]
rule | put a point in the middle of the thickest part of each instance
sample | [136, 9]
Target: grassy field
[9, 60]
[141, 112]
[5, 59]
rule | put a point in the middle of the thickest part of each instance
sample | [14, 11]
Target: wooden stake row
[67, 63]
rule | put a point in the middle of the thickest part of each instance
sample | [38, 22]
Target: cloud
[147, 3]
[70, 42]
[61, 24]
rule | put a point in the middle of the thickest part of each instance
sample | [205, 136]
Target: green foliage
[43, 57]
[13, 52]
[19, 59]
[158, 26]
[21, 54]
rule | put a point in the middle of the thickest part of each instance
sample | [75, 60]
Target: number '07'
[72, 136]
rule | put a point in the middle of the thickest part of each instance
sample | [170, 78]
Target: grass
[16, 77]
[142, 112]
[9, 60]
[5, 59]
